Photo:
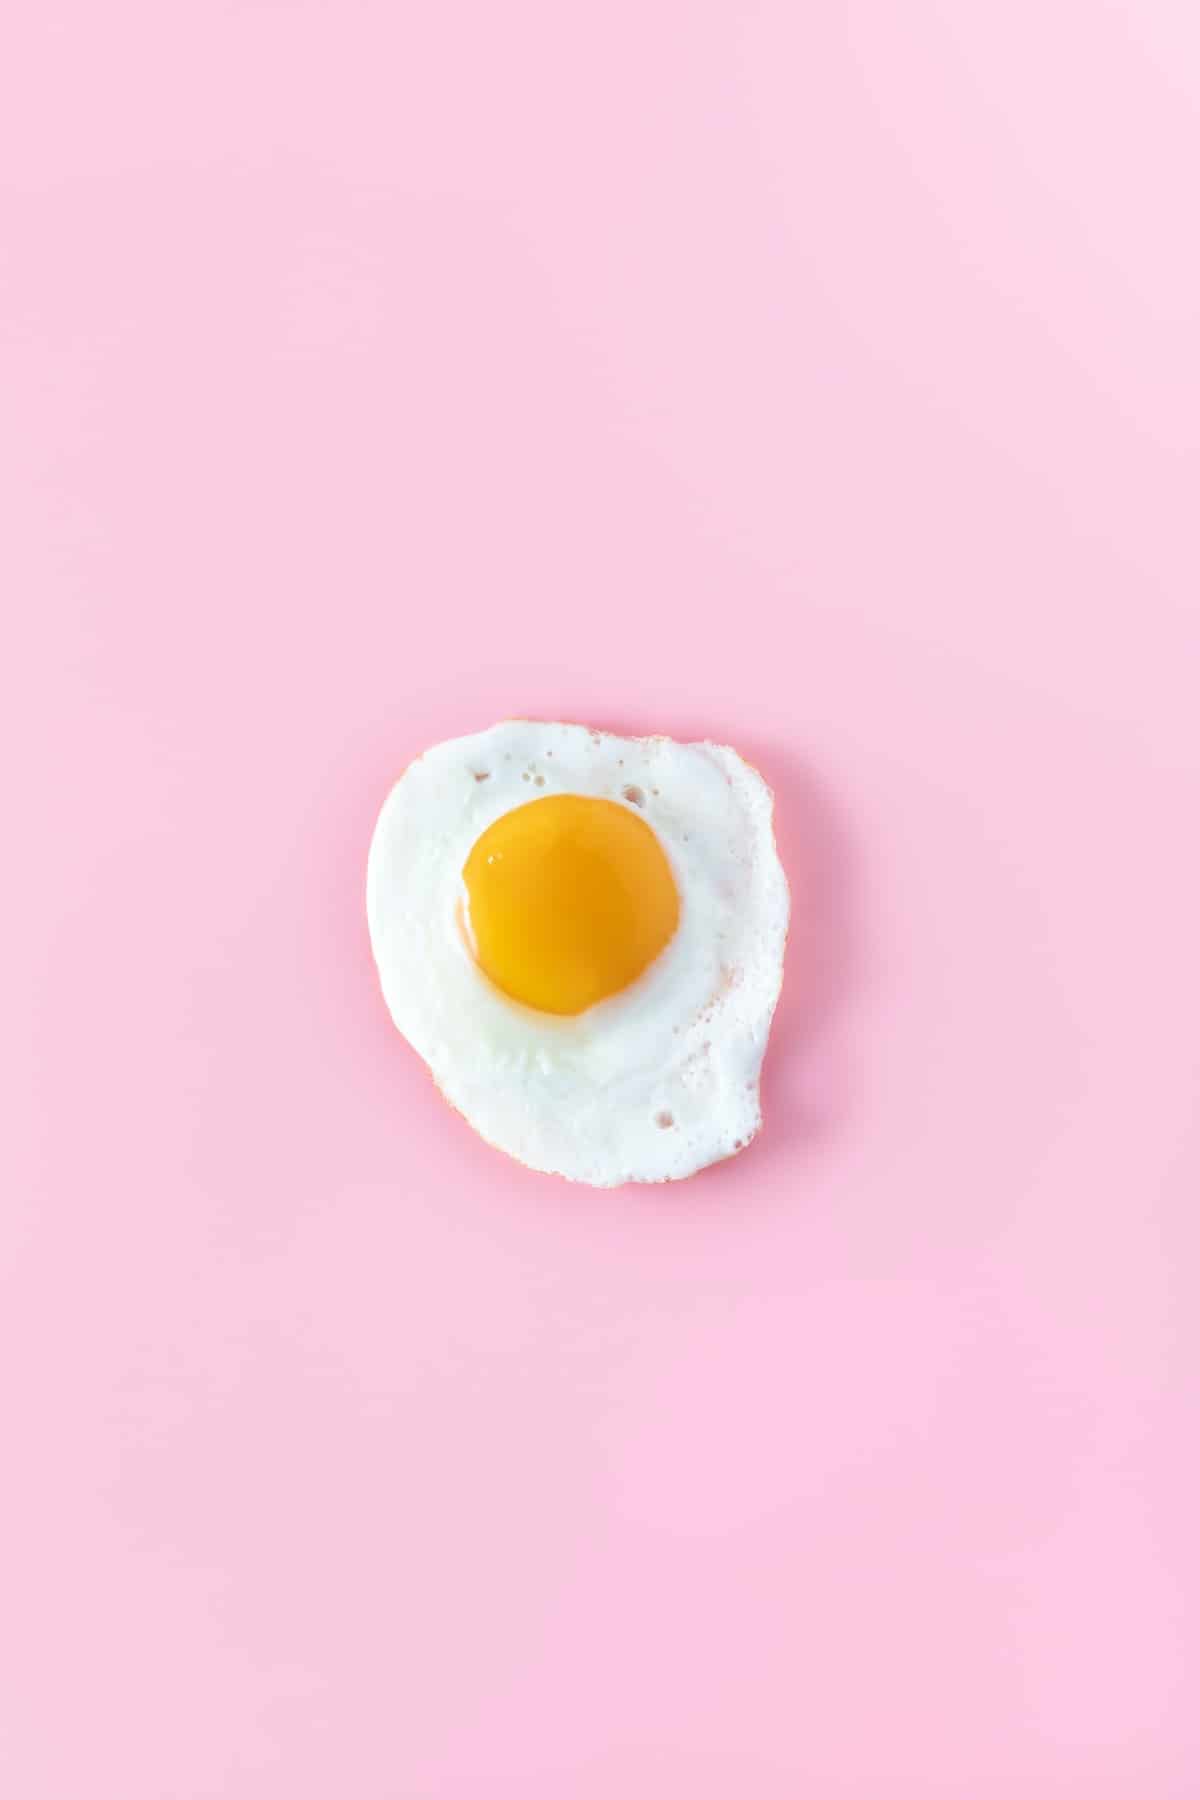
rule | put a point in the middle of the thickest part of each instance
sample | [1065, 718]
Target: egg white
[661, 1079]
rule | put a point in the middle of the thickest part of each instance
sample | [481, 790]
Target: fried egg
[583, 937]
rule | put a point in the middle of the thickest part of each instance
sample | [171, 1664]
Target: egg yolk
[569, 899]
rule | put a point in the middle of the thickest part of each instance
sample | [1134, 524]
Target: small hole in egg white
[482, 774]
[539, 781]
[664, 1120]
[634, 795]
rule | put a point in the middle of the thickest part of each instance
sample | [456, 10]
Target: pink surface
[825, 379]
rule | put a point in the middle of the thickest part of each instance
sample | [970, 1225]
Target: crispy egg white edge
[581, 1097]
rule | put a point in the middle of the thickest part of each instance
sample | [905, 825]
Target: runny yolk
[569, 899]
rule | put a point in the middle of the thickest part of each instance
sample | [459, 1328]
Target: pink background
[820, 377]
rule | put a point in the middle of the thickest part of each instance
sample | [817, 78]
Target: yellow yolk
[569, 899]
